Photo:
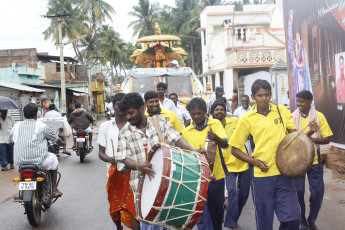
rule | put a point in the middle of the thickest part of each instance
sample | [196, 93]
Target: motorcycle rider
[80, 120]
[30, 144]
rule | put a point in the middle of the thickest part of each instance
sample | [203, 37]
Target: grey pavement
[84, 203]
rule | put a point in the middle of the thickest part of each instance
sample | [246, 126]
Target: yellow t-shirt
[325, 130]
[172, 118]
[267, 131]
[196, 138]
[233, 164]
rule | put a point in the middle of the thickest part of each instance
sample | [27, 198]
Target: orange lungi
[120, 196]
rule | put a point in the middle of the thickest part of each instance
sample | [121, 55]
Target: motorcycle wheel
[33, 209]
[82, 154]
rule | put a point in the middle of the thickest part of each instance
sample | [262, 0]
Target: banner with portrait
[315, 45]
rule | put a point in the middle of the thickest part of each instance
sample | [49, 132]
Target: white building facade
[251, 42]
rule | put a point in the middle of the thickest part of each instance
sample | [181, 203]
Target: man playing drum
[153, 108]
[196, 133]
[272, 192]
[307, 115]
[120, 195]
[131, 150]
[238, 177]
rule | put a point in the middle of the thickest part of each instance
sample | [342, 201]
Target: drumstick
[112, 145]
[295, 136]
[145, 147]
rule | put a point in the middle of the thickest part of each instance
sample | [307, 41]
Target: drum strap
[155, 123]
[282, 120]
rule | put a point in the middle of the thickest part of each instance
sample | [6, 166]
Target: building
[240, 46]
[26, 66]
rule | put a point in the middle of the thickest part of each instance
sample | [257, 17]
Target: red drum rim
[203, 193]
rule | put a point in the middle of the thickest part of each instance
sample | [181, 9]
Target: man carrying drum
[272, 192]
[196, 133]
[307, 115]
[238, 176]
[153, 108]
[120, 195]
[131, 149]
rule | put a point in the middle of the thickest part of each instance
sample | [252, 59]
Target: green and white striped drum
[175, 198]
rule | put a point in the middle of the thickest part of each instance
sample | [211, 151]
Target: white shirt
[168, 104]
[6, 129]
[108, 138]
[240, 111]
[52, 114]
[182, 113]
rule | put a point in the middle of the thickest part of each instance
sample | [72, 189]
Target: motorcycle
[35, 191]
[82, 149]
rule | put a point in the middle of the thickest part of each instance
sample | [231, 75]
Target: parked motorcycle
[82, 146]
[35, 191]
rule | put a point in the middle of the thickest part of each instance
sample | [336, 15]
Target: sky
[22, 24]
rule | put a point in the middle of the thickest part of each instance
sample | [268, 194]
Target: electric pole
[62, 62]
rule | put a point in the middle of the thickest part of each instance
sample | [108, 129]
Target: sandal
[67, 153]
[4, 168]
[12, 166]
[57, 194]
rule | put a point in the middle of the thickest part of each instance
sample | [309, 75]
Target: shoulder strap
[281, 120]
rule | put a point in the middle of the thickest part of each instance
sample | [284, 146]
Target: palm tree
[111, 48]
[72, 26]
[97, 11]
[146, 15]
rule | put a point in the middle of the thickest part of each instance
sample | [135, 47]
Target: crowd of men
[247, 139]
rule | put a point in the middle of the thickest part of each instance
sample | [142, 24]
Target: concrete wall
[21, 74]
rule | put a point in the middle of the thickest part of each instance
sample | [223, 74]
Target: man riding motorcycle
[80, 120]
[30, 144]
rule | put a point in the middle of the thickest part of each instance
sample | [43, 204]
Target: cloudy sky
[22, 24]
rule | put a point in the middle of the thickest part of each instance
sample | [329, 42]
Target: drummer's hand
[146, 168]
[112, 161]
[201, 151]
[262, 165]
[313, 128]
[212, 136]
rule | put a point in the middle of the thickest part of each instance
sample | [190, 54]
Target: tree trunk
[77, 52]
[192, 54]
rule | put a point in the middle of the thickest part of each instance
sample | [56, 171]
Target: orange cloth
[120, 196]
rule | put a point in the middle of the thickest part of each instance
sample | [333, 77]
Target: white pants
[51, 162]
[88, 130]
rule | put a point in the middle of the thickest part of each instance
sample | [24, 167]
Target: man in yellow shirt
[306, 115]
[153, 108]
[195, 134]
[238, 176]
[272, 192]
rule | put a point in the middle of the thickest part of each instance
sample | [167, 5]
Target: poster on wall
[315, 45]
[340, 77]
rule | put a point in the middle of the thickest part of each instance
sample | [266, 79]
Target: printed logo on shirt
[275, 120]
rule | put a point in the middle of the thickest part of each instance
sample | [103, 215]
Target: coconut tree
[146, 15]
[72, 26]
[97, 12]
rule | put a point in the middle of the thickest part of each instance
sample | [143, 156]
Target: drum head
[150, 187]
[295, 155]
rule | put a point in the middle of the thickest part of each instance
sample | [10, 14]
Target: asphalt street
[84, 204]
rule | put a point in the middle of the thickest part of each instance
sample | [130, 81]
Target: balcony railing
[263, 56]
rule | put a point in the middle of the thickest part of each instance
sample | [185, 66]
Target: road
[84, 203]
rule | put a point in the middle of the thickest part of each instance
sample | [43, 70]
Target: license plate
[80, 139]
[29, 185]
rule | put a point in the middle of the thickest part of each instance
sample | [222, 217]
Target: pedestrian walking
[272, 192]
[307, 115]
[6, 150]
[238, 176]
